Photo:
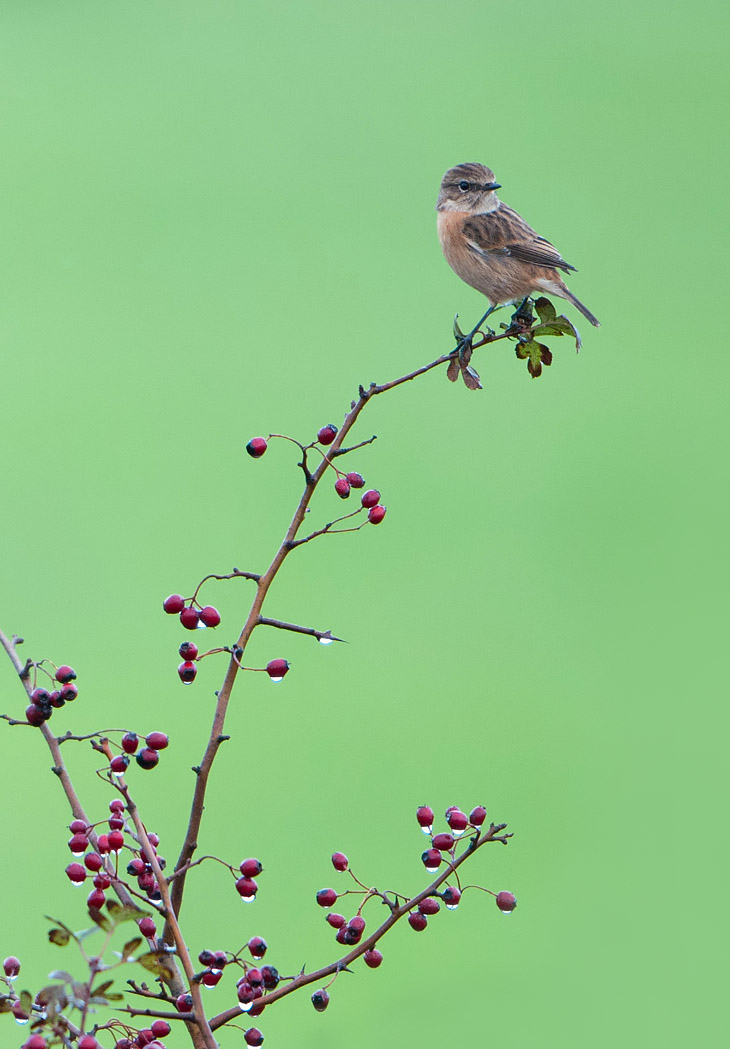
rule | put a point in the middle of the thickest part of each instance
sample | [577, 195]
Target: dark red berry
[189, 617]
[101, 881]
[257, 946]
[11, 966]
[429, 906]
[253, 1036]
[57, 699]
[326, 897]
[102, 844]
[116, 823]
[160, 1028]
[271, 977]
[246, 889]
[377, 513]
[339, 861]
[116, 804]
[251, 868]
[506, 902]
[255, 977]
[95, 899]
[336, 920]
[247, 993]
[431, 859]
[116, 840]
[130, 742]
[220, 960]
[36, 715]
[187, 672]
[153, 839]
[148, 928]
[76, 873]
[256, 447]
[184, 1003]
[451, 896]
[327, 434]
[206, 957]
[443, 842]
[147, 758]
[36, 1041]
[477, 816]
[87, 1041]
[78, 827]
[212, 977]
[19, 1013]
[119, 763]
[372, 958]
[417, 921]
[320, 1000]
[93, 861]
[210, 616]
[356, 480]
[78, 844]
[64, 674]
[41, 697]
[174, 604]
[342, 487]
[157, 740]
[277, 668]
[188, 650]
[371, 498]
[145, 1036]
[357, 924]
[457, 820]
[136, 866]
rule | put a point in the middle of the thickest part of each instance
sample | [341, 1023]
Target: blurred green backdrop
[218, 220]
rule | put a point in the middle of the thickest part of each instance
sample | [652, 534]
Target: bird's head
[470, 188]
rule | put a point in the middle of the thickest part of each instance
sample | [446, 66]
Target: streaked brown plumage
[491, 247]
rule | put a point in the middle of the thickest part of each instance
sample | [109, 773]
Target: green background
[218, 220]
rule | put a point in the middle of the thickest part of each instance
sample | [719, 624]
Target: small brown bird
[491, 247]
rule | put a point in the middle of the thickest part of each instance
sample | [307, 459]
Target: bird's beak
[491, 185]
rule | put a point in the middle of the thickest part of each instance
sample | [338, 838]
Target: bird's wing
[504, 232]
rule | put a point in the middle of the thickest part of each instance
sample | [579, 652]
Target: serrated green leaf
[158, 962]
[130, 947]
[545, 309]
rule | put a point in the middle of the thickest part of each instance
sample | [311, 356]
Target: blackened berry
[188, 650]
[320, 1000]
[147, 758]
[257, 946]
[187, 672]
[41, 697]
[64, 674]
[119, 763]
[256, 447]
[184, 1003]
[431, 859]
[271, 977]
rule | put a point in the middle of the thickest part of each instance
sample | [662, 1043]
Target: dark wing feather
[504, 232]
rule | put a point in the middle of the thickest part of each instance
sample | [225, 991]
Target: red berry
[253, 1036]
[443, 842]
[326, 897]
[160, 1028]
[184, 1003]
[136, 866]
[101, 881]
[206, 958]
[119, 763]
[145, 1036]
[424, 815]
[417, 921]
[506, 902]
[372, 958]
[342, 487]
[78, 827]
[11, 965]
[189, 617]
[36, 1041]
[257, 946]
[147, 758]
[93, 861]
[250, 868]
[130, 742]
[220, 960]
[477, 816]
[41, 697]
[431, 859]
[116, 840]
[116, 804]
[116, 823]
[187, 672]
[457, 820]
[57, 699]
[256, 447]
[255, 977]
[336, 920]
[69, 693]
[78, 844]
[357, 924]
[271, 977]
[188, 650]
[377, 513]
[64, 674]
[157, 740]
[212, 977]
[210, 616]
[246, 889]
[174, 604]
[36, 715]
[327, 434]
[18, 1012]
[95, 899]
[429, 906]
[320, 1000]
[153, 839]
[87, 1041]
[451, 896]
[371, 498]
[76, 873]
[277, 668]
[148, 928]
[102, 844]
[356, 480]
[339, 861]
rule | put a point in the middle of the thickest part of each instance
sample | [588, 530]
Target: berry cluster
[146, 758]
[43, 703]
[147, 1038]
[191, 617]
[246, 887]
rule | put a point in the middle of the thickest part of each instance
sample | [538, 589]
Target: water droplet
[21, 1021]
[118, 775]
[187, 682]
[326, 640]
[245, 1007]
[457, 833]
[427, 830]
[432, 869]
[505, 913]
[11, 979]
[76, 885]
[248, 899]
[276, 680]
[451, 906]
[201, 625]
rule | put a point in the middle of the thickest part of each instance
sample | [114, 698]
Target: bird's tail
[568, 294]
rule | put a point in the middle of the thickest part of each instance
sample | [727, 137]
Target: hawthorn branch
[321, 635]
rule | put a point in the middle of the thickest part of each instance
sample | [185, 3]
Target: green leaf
[458, 333]
[130, 947]
[115, 997]
[104, 987]
[26, 1002]
[124, 912]
[100, 919]
[59, 936]
[545, 310]
[158, 962]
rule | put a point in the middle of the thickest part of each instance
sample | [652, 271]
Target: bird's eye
[463, 185]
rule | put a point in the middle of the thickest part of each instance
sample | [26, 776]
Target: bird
[491, 247]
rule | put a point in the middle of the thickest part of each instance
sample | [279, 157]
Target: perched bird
[491, 247]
